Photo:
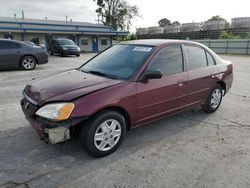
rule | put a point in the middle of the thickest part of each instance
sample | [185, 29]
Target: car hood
[65, 86]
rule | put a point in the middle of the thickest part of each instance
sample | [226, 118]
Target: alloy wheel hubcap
[216, 98]
[107, 135]
[28, 63]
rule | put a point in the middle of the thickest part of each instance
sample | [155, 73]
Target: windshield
[120, 61]
[66, 42]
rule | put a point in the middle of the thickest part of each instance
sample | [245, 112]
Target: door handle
[181, 82]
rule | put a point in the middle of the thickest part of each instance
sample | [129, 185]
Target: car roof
[9, 40]
[157, 42]
[16, 41]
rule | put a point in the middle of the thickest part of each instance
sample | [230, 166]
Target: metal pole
[227, 47]
[248, 42]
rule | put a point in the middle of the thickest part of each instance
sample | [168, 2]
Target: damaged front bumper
[57, 134]
[50, 131]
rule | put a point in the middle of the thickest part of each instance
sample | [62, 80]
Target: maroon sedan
[126, 86]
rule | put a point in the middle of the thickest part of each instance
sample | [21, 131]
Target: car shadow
[64, 56]
[24, 157]
[10, 69]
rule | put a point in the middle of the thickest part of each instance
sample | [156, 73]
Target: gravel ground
[191, 149]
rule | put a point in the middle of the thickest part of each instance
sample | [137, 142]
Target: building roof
[44, 21]
[55, 26]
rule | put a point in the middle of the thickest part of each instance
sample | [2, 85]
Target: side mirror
[150, 74]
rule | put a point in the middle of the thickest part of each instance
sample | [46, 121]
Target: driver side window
[169, 60]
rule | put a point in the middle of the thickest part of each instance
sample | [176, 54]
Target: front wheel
[104, 133]
[214, 100]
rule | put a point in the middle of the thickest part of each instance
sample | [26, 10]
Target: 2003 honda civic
[128, 85]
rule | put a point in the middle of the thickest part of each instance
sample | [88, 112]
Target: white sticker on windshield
[142, 49]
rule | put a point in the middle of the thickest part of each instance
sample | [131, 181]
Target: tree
[176, 23]
[228, 35]
[116, 13]
[163, 22]
[247, 35]
[215, 18]
[130, 36]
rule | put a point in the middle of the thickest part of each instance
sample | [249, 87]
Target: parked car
[128, 85]
[16, 54]
[34, 44]
[43, 46]
[64, 47]
[30, 43]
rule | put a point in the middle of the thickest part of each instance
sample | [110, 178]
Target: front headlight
[56, 111]
[64, 48]
[78, 49]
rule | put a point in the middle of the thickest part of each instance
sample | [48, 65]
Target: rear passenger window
[210, 60]
[169, 60]
[9, 45]
[1, 45]
[15, 45]
[196, 57]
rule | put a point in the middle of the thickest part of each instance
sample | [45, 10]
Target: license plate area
[57, 134]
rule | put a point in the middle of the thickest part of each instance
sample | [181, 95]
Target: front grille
[71, 48]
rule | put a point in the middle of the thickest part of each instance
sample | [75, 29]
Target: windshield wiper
[102, 74]
[99, 73]
[84, 70]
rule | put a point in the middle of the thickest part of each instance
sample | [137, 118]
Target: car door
[10, 53]
[200, 73]
[158, 97]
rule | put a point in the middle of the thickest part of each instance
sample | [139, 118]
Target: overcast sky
[151, 10]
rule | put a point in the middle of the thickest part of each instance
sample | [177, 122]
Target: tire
[61, 54]
[214, 100]
[28, 63]
[77, 55]
[98, 136]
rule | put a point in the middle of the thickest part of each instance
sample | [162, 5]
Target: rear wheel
[104, 133]
[28, 63]
[214, 100]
